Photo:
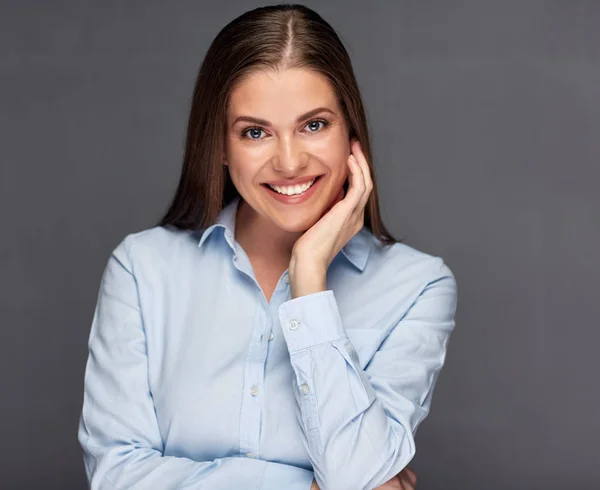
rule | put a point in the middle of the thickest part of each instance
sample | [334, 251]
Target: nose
[290, 158]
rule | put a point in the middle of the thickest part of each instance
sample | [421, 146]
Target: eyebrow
[264, 122]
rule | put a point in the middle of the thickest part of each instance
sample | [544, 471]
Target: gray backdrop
[485, 121]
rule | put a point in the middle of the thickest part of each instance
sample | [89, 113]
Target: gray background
[485, 120]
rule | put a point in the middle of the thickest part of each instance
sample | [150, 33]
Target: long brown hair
[275, 37]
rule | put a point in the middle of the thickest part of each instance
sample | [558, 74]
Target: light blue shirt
[195, 381]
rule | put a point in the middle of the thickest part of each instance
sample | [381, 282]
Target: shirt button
[254, 390]
[305, 389]
[286, 279]
[294, 324]
[271, 336]
[251, 455]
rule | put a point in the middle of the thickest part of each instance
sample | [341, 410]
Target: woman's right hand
[405, 480]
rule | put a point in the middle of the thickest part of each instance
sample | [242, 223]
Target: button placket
[250, 425]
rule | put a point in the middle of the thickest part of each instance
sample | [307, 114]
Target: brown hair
[276, 37]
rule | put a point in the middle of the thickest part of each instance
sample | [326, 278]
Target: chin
[295, 226]
[293, 223]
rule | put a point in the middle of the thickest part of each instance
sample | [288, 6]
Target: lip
[299, 199]
[288, 182]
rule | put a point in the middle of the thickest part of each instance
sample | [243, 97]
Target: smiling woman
[294, 167]
[275, 100]
[268, 332]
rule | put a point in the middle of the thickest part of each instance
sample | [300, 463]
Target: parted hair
[276, 37]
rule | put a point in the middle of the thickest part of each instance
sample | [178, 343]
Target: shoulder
[399, 276]
[154, 245]
[402, 265]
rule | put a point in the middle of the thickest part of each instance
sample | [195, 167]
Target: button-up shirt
[195, 381]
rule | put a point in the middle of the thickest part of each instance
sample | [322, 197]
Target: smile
[296, 194]
[294, 190]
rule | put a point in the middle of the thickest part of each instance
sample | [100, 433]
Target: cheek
[338, 165]
[238, 173]
[243, 158]
[242, 171]
[334, 152]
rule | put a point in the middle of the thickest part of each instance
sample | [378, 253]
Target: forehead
[272, 92]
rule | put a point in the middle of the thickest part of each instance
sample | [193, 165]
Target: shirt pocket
[365, 341]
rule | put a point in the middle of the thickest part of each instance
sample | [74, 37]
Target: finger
[358, 210]
[405, 484]
[408, 482]
[357, 183]
[368, 181]
[410, 475]
[362, 161]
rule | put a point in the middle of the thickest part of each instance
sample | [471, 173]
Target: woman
[269, 332]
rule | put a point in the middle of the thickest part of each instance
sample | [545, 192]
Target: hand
[318, 246]
[405, 480]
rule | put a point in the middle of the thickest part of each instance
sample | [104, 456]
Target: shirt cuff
[310, 320]
[278, 476]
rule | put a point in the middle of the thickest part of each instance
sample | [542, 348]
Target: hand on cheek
[344, 217]
[338, 197]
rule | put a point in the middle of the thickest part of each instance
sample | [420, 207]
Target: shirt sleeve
[118, 429]
[360, 424]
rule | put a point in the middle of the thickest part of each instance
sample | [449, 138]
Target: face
[281, 127]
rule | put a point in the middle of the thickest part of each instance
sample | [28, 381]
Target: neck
[260, 237]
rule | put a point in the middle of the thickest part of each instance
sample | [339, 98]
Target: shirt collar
[356, 250]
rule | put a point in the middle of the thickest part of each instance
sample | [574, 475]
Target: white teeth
[293, 189]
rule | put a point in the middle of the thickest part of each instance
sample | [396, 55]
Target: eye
[317, 121]
[251, 131]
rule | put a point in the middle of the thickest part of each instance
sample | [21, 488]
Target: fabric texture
[195, 381]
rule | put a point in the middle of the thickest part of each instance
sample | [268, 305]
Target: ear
[225, 161]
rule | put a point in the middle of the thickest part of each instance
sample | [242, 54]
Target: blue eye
[252, 131]
[255, 130]
[317, 121]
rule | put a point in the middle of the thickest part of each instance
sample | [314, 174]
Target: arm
[118, 428]
[360, 424]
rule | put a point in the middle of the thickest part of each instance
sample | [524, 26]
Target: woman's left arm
[360, 424]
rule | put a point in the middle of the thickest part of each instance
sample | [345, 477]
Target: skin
[303, 238]
[266, 228]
